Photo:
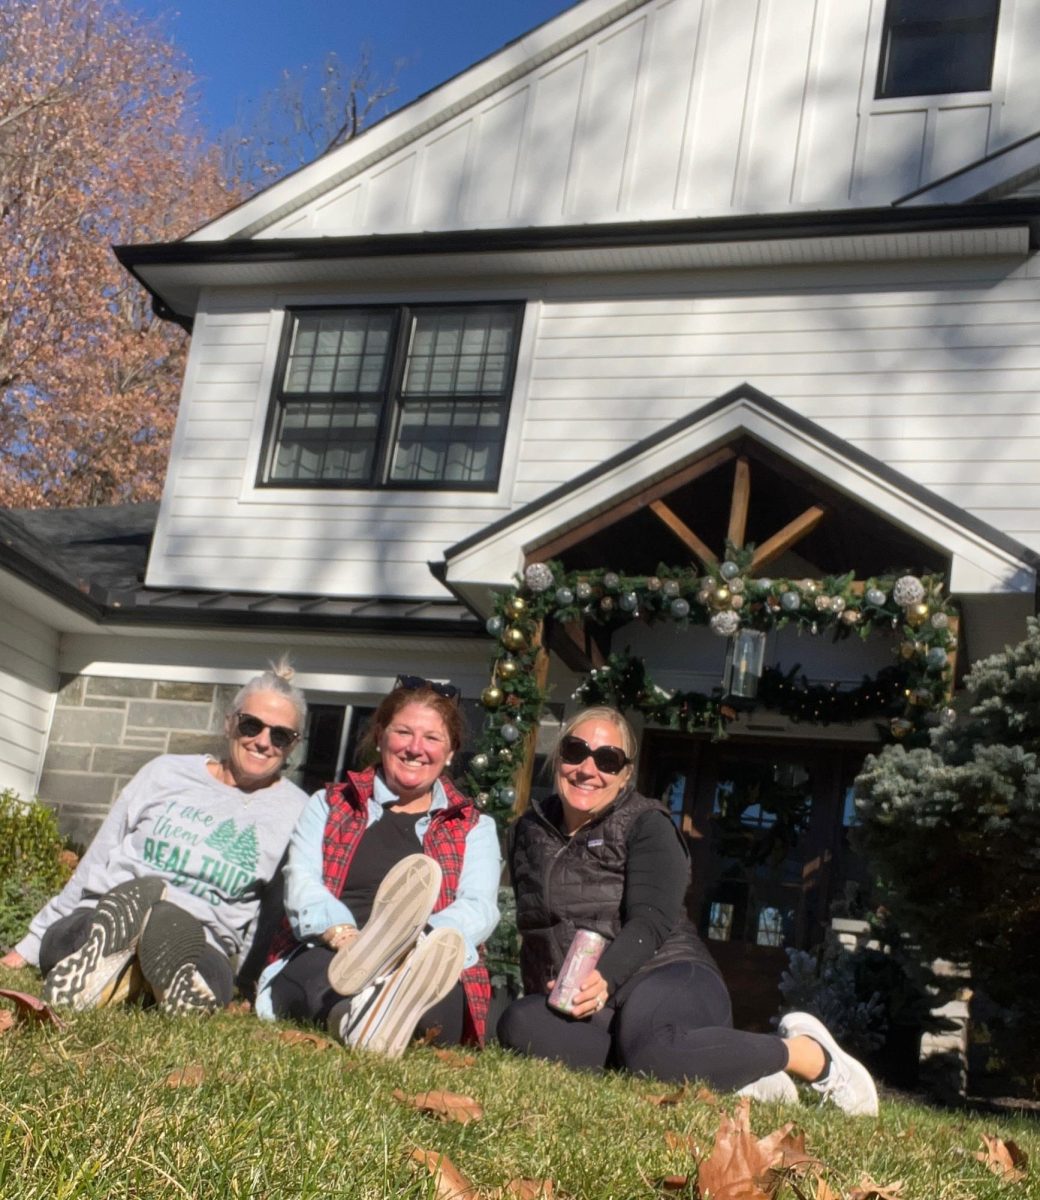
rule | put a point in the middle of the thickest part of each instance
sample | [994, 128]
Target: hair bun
[283, 668]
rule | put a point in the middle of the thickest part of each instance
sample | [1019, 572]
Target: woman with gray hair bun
[168, 894]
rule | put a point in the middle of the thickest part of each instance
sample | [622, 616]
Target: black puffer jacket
[568, 883]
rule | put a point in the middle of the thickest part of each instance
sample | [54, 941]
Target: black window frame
[389, 422]
[900, 20]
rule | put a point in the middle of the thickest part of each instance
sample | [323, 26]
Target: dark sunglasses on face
[249, 726]
[411, 683]
[608, 759]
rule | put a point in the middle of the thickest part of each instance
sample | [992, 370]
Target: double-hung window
[392, 396]
[935, 47]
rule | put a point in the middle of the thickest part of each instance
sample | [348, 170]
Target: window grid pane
[338, 352]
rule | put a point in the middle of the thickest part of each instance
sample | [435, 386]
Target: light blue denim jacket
[311, 908]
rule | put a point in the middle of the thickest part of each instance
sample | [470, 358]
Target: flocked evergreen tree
[953, 832]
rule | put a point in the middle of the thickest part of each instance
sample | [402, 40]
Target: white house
[651, 253]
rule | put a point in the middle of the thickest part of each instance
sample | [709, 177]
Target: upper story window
[932, 47]
[401, 396]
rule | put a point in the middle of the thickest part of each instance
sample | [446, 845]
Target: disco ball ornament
[948, 717]
[564, 597]
[680, 608]
[809, 587]
[940, 620]
[736, 601]
[510, 733]
[670, 587]
[837, 604]
[538, 577]
[790, 601]
[876, 597]
[729, 569]
[494, 625]
[850, 616]
[737, 585]
[653, 584]
[584, 590]
[907, 590]
[607, 604]
[823, 603]
[725, 624]
[611, 581]
[479, 763]
[482, 799]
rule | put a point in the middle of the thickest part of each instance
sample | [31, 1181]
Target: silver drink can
[582, 955]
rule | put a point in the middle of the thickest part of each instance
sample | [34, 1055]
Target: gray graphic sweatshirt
[217, 848]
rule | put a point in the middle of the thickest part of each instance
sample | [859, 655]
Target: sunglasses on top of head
[248, 726]
[412, 683]
[609, 759]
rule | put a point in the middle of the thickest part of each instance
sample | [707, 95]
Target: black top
[381, 846]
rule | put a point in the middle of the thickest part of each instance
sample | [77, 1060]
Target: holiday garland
[726, 598]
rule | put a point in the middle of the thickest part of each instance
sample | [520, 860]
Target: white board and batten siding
[677, 108]
[28, 683]
[932, 368]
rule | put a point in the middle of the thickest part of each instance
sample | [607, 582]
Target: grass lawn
[91, 1111]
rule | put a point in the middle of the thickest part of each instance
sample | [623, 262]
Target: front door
[766, 825]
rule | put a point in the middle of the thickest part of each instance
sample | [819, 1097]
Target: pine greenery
[953, 832]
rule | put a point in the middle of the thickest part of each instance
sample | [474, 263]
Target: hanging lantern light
[745, 655]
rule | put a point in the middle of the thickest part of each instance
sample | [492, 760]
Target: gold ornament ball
[505, 755]
[516, 605]
[907, 650]
[721, 597]
[492, 697]
[507, 668]
[513, 638]
[916, 615]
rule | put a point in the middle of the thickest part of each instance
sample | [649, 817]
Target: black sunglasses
[608, 759]
[249, 726]
[412, 683]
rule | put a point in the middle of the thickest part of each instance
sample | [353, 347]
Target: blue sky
[239, 48]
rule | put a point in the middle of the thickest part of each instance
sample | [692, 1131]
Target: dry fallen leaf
[452, 1058]
[424, 1039]
[706, 1096]
[313, 1041]
[189, 1076]
[673, 1183]
[6, 1020]
[69, 859]
[450, 1183]
[238, 1008]
[869, 1190]
[668, 1099]
[31, 1008]
[447, 1106]
[749, 1168]
[1004, 1158]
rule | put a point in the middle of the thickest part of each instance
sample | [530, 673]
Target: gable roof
[982, 559]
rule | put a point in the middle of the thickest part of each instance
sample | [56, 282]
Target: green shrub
[34, 863]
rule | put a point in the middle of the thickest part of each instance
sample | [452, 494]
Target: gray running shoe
[99, 972]
[383, 1017]
[169, 952]
[848, 1083]
[778, 1088]
[400, 910]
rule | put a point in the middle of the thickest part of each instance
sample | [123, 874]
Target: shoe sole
[778, 1088]
[169, 952]
[807, 1025]
[93, 975]
[425, 977]
[400, 910]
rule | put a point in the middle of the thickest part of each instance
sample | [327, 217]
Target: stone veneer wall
[105, 730]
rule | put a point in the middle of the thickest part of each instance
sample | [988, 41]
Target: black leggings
[301, 992]
[67, 934]
[674, 1024]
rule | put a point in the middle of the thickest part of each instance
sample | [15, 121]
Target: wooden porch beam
[738, 506]
[683, 532]
[525, 768]
[573, 645]
[791, 533]
[603, 520]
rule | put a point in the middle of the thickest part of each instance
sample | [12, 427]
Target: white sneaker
[400, 910]
[772, 1089]
[383, 1017]
[848, 1083]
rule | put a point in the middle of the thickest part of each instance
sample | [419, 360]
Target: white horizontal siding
[28, 681]
[938, 377]
[676, 108]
